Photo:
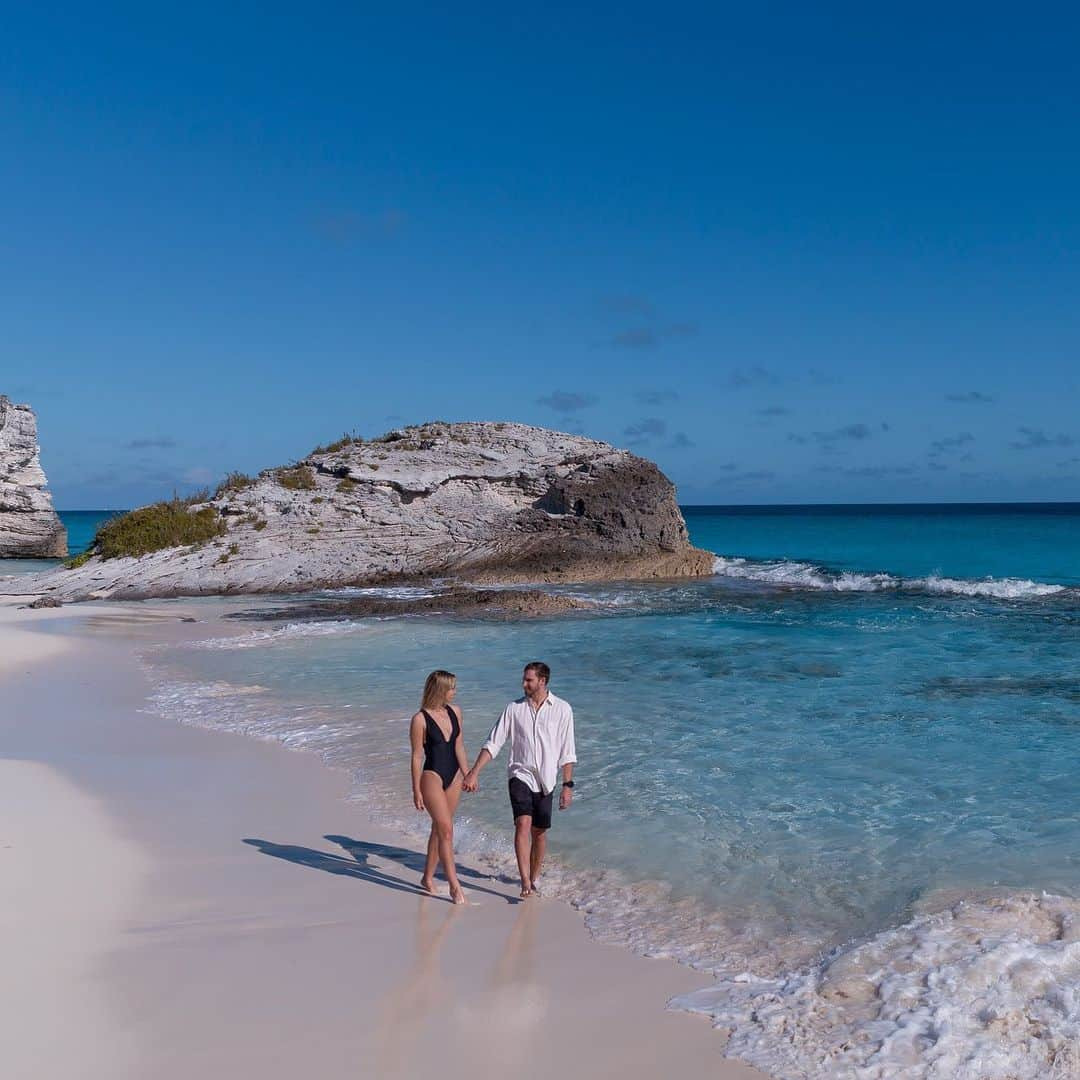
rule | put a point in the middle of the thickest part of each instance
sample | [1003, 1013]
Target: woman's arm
[416, 739]
[459, 746]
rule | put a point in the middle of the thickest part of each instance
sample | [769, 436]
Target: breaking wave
[987, 986]
[258, 638]
[789, 574]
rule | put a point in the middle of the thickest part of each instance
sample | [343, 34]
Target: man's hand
[566, 796]
[470, 783]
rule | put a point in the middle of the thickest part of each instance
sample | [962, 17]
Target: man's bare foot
[427, 885]
[457, 896]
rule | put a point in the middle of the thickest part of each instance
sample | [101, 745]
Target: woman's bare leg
[453, 794]
[435, 799]
[427, 882]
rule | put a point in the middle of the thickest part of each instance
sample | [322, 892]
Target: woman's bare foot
[427, 885]
[457, 896]
[526, 890]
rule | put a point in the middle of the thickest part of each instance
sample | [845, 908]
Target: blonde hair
[436, 686]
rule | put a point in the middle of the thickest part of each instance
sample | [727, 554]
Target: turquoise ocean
[81, 526]
[841, 776]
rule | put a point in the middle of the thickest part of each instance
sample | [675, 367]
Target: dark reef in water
[473, 603]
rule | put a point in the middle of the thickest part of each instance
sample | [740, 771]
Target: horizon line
[727, 506]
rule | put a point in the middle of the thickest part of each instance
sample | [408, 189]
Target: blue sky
[800, 253]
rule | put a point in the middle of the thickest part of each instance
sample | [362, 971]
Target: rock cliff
[479, 502]
[29, 525]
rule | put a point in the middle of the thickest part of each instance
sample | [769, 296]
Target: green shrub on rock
[162, 525]
[348, 439]
[235, 481]
[300, 478]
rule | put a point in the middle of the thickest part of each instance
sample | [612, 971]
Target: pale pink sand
[56, 1020]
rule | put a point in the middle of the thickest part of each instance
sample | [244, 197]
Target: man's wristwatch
[568, 783]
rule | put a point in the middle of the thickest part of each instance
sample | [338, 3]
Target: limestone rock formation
[479, 502]
[29, 526]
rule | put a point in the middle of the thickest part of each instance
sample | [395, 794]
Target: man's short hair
[540, 669]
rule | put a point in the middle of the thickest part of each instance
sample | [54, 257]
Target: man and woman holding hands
[539, 728]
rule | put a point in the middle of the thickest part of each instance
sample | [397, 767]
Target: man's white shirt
[541, 742]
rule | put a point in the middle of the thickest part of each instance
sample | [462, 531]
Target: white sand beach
[178, 902]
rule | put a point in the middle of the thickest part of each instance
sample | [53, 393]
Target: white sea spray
[256, 639]
[987, 987]
[783, 573]
[997, 588]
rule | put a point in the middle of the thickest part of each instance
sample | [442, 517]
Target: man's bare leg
[523, 849]
[536, 856]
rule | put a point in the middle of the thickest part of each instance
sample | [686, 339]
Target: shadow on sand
[358, 864]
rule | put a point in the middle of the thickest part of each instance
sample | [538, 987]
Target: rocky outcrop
[29, 526]
[474, 502]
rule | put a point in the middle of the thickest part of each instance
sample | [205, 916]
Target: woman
[438, 765]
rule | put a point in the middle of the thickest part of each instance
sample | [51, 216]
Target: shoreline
[236, 961]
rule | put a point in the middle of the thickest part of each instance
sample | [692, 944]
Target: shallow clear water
[791, 774]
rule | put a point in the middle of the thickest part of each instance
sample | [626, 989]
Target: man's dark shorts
[533, 803]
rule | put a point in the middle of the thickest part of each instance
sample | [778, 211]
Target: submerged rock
[45, 602]
[493, 604]
[481, 502]
[29, 526]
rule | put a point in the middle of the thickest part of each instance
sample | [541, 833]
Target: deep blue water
[1037, 541]
[81, 526]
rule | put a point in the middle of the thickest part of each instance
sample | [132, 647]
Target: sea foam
[801, 575]
[256, 639]
[382, 592]
[997, 588]
[791, 574]
[986, 987]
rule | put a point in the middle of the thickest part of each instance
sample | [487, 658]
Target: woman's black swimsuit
[440, 753]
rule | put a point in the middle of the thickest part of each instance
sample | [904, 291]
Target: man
[540, 727]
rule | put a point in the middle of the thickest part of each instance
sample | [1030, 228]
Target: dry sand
[56, 843]
[180, 903]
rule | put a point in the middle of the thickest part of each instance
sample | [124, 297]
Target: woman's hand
[418, 799]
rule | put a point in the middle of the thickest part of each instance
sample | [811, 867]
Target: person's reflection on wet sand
[506, 1018]
[420, 995]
